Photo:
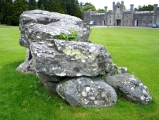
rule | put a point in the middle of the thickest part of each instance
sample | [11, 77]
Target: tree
[18, 7]
[81, 5]
[73, 8]
[101, 11]
[88, 3]
[10, 10]
[32, 4]
[145, 8]
[64, 5]
[87, 7]
[6, 11]
[41, 4]
[1, 16]
[54, 6]
[110, 11]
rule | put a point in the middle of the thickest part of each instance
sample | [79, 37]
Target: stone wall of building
[99, 19]
[127, 19]
[121, 17]
[143, 19]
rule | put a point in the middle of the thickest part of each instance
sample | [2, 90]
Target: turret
[106, 9]
[155, 13]
[113, 7]
[155, 9]
[132, 8]
[122, 2]
[122, 6]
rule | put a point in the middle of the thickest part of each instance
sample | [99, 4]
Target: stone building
[121, 17]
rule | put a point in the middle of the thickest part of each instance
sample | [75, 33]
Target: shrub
[68, 37]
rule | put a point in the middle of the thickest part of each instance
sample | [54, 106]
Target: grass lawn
[23, 97]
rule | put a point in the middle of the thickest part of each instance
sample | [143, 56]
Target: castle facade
[120, 17]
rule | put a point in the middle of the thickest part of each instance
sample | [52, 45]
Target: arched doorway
[118, 22]
[136, 22]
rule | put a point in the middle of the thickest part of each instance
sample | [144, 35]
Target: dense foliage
[145, 8]
[10, 10]
[87, 6]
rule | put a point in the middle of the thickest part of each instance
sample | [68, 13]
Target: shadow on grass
[23, 93]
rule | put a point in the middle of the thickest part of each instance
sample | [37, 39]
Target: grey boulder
[87, 92]
[130, 87]
[27, 65]
[39, 25]
[65, 58]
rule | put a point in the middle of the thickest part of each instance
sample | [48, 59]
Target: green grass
[23, 97]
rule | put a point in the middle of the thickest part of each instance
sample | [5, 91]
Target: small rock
[130, 87]
[93, 92]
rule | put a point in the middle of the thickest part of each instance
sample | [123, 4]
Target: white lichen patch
[78, 74]
[132, 79]
[61, 74]
[84, 94]
[141, 84]
[144, 91]
[44, 69]
[145, 87]
[132, 89]
[92, 98]
[94, 64]
[142, 97]
[83, 61]
[95, 102]
[88, 89]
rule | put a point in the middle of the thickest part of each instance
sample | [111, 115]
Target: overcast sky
[101, 3]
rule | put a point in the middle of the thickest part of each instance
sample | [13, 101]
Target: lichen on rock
[87, 92]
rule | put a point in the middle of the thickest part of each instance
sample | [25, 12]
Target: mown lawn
[23, 97]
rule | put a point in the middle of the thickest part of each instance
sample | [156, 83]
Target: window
[110, 21]
[143, 21]
[118, 6]
[150, 21]
[126, 21]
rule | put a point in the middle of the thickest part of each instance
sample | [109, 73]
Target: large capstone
[38, 25]
[130, 87]
[87, 92]
[65, 58]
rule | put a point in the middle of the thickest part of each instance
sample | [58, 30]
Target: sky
[102, 3]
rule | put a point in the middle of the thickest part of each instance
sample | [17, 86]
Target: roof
[143, 12]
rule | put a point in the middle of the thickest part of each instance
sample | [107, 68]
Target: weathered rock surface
[49, 82]
[27, 65]
[38, 25]
[130, 87]
[87, 92]
[65, 58]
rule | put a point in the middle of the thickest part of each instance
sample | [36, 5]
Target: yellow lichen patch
[74, 52]
[94, 64]
[94, 56]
